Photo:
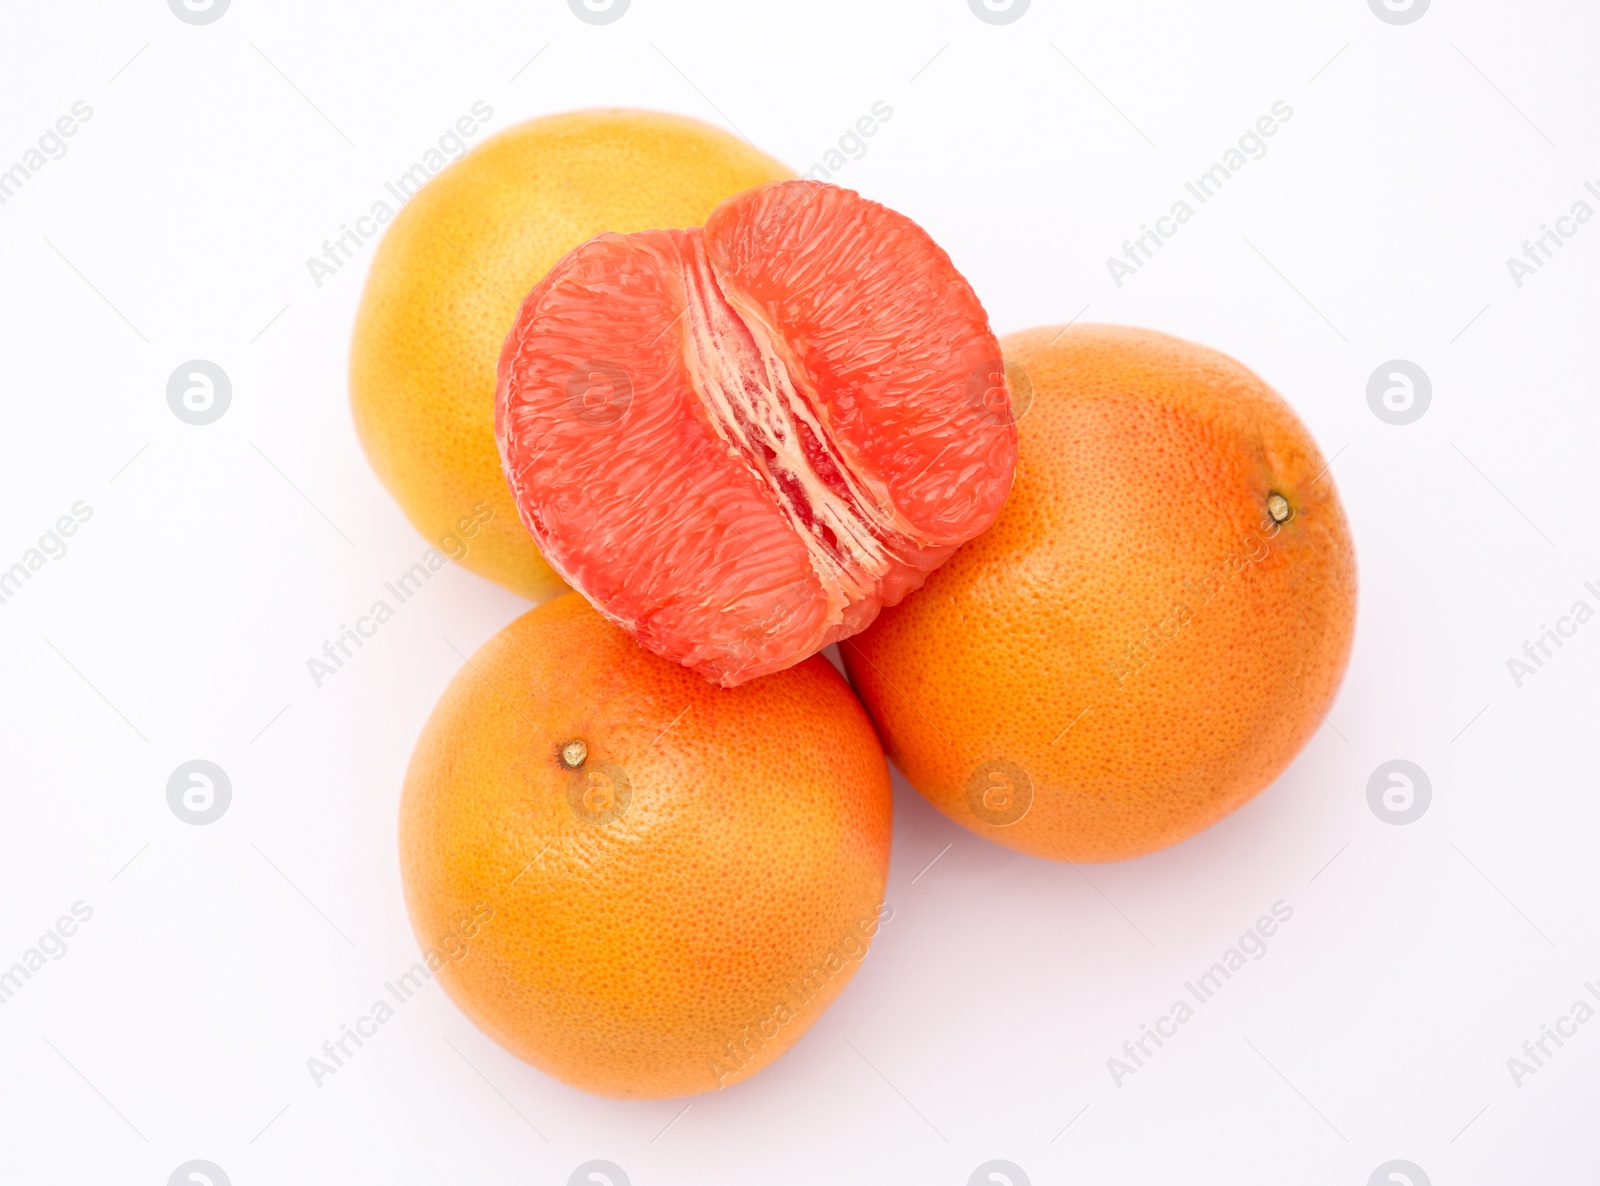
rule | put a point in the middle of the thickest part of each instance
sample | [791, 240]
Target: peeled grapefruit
[444, 289]
[740, 442]
[1152, 629]
[641, 883]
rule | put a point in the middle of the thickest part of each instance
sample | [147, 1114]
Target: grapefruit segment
[740, 442]
[891, 333]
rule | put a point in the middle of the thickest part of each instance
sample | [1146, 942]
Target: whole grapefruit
[641, 883]
[447, 280]
[1151, 630]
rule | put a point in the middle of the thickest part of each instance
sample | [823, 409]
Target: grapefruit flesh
[741, 441]
[1152, 629]
[641, 883]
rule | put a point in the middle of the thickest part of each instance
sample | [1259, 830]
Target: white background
[219, 558]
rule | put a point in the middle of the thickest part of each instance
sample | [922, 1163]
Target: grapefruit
[740, 442]
[641, 883]
[1152, 629]
[444, 288]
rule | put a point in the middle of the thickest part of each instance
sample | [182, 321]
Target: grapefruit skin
[684, 945]
[448, 276]
[1136, 638]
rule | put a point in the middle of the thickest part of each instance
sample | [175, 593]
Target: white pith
[749, 389]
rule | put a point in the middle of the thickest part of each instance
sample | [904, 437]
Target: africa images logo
[1398, 12]
[1399, 392]
[199, 392]
[998, 12]
[199, 1173]
[198, 12]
